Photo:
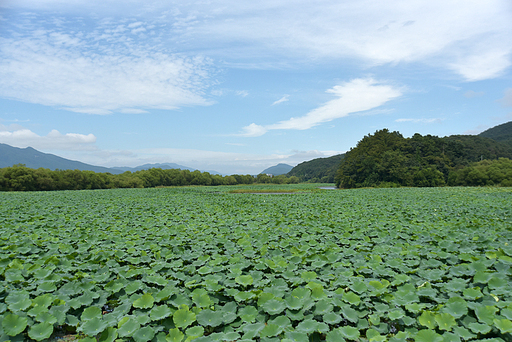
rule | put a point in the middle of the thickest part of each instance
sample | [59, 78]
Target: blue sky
[238, 86]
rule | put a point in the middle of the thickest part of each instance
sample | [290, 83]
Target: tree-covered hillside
[501, 133]
[320, 170]
[388, 159]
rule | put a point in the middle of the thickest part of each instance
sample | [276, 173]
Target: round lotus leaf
[271, 330]
[209, 318]
[231, 336]
[43, 300]
[479, 328]
[156, 279]
[108, 335]
[14, 324]
[308, 275]
[334, 336]
[274, 306]
[486, 314]
[415, 307]
[332, 318]
[296, 336]
[46, 317]
[428, 336]
[248, 314]
[160, 312]
[133, 286]
[22, 305]
[307, 326]
[90, 313]
[93, 326]
[456, 285]
[473, 293]
[144, 302]
[144, 334]
[505, 325]
[456, 306]
[183, 318]
[127, 326]
[175, 335]
[445, 321]
[164, 294]
[244, 280]
[396, 314]
[428, 320]
[351, 298]
[40, 331]
[47, 286]
[194, 332]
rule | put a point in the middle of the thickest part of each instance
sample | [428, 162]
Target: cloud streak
[22, 137]
[281, 100]
[355, 96]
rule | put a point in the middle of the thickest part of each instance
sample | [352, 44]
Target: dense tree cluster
[21, 178]
[319, 170]
[388, 159]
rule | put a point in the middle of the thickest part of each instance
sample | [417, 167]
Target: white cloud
[97, 75]
[281, 100]
[23, 137]
[242, 93]
[358, 95]
[507, 99]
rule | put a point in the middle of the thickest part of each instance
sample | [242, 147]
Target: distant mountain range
[279, 169]
[35, 159]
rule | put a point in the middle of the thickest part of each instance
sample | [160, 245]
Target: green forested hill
[318, 170]
[388, 159]
[501, 133]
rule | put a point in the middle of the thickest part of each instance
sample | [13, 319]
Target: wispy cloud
[98, 74]
[355, 96]
[281, 100]
[242, 93]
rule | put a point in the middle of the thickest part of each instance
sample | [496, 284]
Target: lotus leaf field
[204, 264]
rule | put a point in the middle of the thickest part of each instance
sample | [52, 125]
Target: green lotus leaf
[479, 328]
[506, 313]
[209, 318]
[317, 290]
[445, 321]
[43, 300]
[296, 336]
[349, 332]
[322, 307]
[400, 279]
[374, 336]
[396, 314]
[463, 333]
[350, 314]
[40, 331]
[428, 336]
[72, 320]
[14, 324]
[127, 326]
[308, 275]
[505, 325]
[200, 298]
[334, 336]
[274, 306]
[294, 303]
[243, 296]
[307, 326]
[244, 280]
[486, 314]
[482, 277]
[114, 286]
[456, 306]
[160, 312]
[47, 286]
[332, 318]
[183, 317]
[271, 330]
[108, 335]
[231, 336]
[175, 335]
[164, 294]
[351, 298]
[156, 279]
[93, 326]
[428, 320]
[133, 286]
[144, 302]
[194, 332]
[456, 285]
[46, 317]
[473, 293]
[358, 286]
[90, 313]
[248, 314]
[144, 334]
[450, 337]
[415, 307]
[21, 305]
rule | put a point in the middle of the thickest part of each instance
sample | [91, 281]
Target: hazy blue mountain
[279, 169]
[34, 159]
[163, 166]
